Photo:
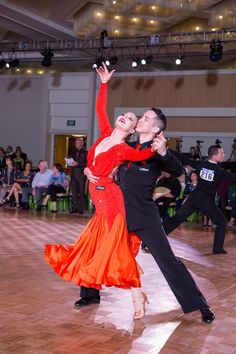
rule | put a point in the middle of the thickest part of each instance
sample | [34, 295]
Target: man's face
[220, 156]
[146, 123]
[127, 122]
[79, 143]
[42, 166]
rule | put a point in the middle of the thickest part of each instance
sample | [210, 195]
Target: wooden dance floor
[36, 306]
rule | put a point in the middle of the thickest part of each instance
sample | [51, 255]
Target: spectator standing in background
[9, 151]
[78, 179]
[2, 159]
[23, 155]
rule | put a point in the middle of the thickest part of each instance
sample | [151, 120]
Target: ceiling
[72, 28]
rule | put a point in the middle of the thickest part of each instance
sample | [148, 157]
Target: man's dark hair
[213, 150]
[160, 118]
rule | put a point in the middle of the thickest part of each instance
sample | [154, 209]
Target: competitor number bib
[207, 175]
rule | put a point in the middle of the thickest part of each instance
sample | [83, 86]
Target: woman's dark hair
[30, 162]
[58, 167]
[10, 158]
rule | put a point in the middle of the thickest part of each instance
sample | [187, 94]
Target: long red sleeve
[130, 154]
[103, 120]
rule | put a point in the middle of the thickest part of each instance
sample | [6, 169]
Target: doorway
[64, 145]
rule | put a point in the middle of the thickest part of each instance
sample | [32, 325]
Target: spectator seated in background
[22, 184]
[2, 159]
[58, 184]
[7, 179]
[222, 194]
[191, 185]
[19, 161]
[41, 183]
[193, 154]
[172, 183]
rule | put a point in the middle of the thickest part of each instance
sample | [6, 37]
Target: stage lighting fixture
[14, 63]
[7, 65]
[179, 60]
[98, 62]
[146, 60]
[47, 57]
[216, 50]
[2, 64]
[104, 40]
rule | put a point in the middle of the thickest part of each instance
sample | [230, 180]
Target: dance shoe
[139, 300]
[220, 252]
[85, 301]
[207, 314]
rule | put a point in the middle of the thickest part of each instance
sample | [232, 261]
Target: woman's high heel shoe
[139, 300]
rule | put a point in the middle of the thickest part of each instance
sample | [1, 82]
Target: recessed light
[98, 14]
[117, 17]
[151, 21]
[153, 7]
[213, 29]
[29, 71]
[220, 17]
[116, 31]
[197, 28]
[134, 19]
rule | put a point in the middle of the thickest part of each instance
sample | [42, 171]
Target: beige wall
[187, 90]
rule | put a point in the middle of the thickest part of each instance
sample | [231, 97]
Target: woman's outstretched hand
[104, 74]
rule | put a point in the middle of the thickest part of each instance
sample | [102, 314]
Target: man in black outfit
[203, 197]
[137, 181]
[78, 179]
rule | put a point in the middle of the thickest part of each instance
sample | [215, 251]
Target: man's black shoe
[207, 314]
[220, 252]
[89, 300]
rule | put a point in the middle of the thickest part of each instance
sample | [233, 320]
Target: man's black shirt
[137, 181]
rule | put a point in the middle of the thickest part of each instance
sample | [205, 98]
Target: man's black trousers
[204, 202]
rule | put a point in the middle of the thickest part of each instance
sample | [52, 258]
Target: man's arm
[167, 161]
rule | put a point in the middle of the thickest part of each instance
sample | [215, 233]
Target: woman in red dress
[103, 254]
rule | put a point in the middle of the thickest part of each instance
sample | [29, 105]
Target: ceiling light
[213, 29]
[7, 65]
[197, 28]
[143, 61]
[134, 19]
[134, 63]
[220, 17]
[29, 71]
[151, 21]
[153, 7]
[117, 17]
[114, 2]
[98, 14]
[216, 50]
[116, 31]
[17, 69]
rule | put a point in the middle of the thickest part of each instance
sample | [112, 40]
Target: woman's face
[55, 170]
[127, 122]
[28, 166]
[193, 177]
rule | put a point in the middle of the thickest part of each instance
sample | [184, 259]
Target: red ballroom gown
[103, 254]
